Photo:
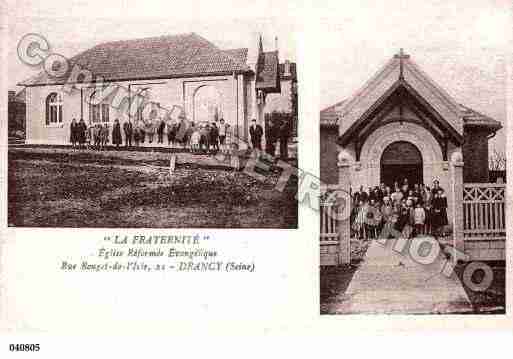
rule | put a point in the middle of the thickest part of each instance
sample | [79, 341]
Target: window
[54, 109]
[98, 110]
[207, 104]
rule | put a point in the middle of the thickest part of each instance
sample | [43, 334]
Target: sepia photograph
[154, 125]
[413, 162]
[334, 172]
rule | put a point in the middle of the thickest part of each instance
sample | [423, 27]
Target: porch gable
[400, 70]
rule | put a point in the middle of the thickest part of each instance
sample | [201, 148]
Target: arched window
[54, 109]
[98, 108]
[207, 104]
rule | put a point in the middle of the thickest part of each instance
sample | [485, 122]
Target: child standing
[223, 127]
[360, 220]
[195, 140]
[419, 218]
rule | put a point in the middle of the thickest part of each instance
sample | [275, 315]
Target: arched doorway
[207, 104]
[401, 160]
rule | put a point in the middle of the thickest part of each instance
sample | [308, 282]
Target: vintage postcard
[172, 130]
[195, 169]
[134, 144]
[413, 164]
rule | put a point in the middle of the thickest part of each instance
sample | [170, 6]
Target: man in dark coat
[205, 137]
[116, 134]
[255, 133]
[160, 131]
[284, 133]
[73, 133]
[272, 135]
[128, 129]
[171, 133]
[214, 137]
[81, 132]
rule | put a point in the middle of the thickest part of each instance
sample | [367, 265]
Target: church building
[401, 124]
[183, 71]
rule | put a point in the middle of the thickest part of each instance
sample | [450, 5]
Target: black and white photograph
[151, 124]
[413, 161]
[180, 178]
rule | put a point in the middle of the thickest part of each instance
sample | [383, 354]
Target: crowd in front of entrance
[411, 209]
[203, 137]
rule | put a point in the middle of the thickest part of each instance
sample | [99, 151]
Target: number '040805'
[24, 347]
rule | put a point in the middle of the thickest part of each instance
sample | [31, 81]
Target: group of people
[95, 136]
[275, 131]
[203, 137]
[410, 209]
[208, 137]
[137, 135]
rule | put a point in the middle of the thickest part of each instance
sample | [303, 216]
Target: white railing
[329, 229]
[329, 235]
[484, 211]
[328, 215]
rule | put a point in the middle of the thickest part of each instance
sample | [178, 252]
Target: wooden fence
[329, 232]
[484, 211]
[333, 252]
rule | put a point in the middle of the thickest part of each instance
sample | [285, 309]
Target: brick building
[402, 124]
[182, 71]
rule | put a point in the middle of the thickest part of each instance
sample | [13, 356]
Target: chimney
[11, 95]
[286, 69]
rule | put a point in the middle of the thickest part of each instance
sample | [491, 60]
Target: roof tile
[173, 56]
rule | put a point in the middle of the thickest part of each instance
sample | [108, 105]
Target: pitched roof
[239, 55]
[267, 75]
[330, 116]
[402, 68]
[154, 57]
[473, 118]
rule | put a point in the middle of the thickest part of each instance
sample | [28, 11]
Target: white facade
[234, 99]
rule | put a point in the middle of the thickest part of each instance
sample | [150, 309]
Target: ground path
[156, 157]
[388, 282]
[129, 157]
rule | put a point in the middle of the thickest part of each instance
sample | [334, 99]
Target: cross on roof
[401, 56]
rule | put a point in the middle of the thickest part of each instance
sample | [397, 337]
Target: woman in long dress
[74, 129]
[116, 134]
[360, 221]
[372, 219]
[388, 216]
[439, 220]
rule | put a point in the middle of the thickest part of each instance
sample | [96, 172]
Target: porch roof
[330, 116]
[402, 70]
